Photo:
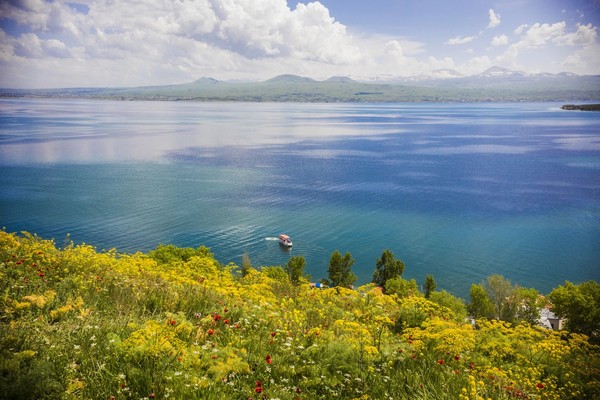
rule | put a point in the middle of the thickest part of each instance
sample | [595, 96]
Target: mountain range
[444, 85]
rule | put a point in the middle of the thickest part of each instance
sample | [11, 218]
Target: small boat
[285, 240]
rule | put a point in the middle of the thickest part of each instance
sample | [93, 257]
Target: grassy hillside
[174, 323]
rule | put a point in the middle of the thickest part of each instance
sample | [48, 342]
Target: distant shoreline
[581, 107]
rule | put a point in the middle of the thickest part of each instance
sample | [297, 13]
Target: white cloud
[460, 40]
[501, 40]
[521, 29]
[494, 19]
[117, 43]
[193, 37]
[584, 36]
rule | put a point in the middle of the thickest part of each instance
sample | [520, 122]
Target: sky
[116, 43]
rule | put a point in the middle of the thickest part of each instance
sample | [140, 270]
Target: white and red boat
[285, 240]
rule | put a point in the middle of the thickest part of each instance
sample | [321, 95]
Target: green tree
[295, 268]
[456, 304]
[529, 303]
[580, 305]
[166, 254]
[246, 264]
[502, 295]
[387, 267]
[340, 270]
[429, 285]
[480, 306]
[402, 287]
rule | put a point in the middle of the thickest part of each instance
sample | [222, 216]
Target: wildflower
[268, 359]
[457, 358]
[210, 332]
[540, 385]
[258, 389]
[273, 334]
[440, 362]
[217, 317]
[197, 315]
[151, 395]
[172, 322]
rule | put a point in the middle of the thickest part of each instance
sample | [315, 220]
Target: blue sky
[146, 42]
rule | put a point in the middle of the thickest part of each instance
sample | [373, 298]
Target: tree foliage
[456, 304]
[402, 287]
[387, 267]
[529, 303]
[295, 268]
[480, 305]
[429, 285]
[340, 270]
[502, 295]
[580, 305]
[168, 253]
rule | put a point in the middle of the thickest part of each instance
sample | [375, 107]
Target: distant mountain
[206, 81]
[443, 85]
[499, 72]
[288, 78]
[340, 79]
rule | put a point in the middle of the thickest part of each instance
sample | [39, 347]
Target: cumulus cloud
[501, 40]
[494, 19]
[584, 36]
[181, 35]
[460, 40]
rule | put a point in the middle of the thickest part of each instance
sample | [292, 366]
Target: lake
[459, 191]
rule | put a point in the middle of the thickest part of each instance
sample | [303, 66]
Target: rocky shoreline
[582, 107]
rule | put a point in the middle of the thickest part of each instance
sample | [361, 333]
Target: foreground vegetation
[174, 323]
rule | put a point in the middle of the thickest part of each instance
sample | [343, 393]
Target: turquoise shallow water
[457, 191]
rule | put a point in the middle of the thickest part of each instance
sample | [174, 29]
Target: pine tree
[387, 267]
[340, 270]
[429, 286]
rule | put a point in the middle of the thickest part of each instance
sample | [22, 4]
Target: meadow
[77, 323]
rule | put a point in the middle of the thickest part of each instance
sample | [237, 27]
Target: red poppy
[457, 358]
[268, 359]
[273, 334]
[210, 332]
[258, 383]
[217, 317]
[258, 389]
[540, 385]
[440, 362]
[226, 321]
[172, 322]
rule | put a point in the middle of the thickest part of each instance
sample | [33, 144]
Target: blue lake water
[459, 191]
